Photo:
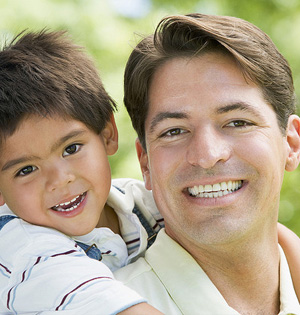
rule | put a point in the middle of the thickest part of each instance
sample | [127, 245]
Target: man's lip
[214, 186]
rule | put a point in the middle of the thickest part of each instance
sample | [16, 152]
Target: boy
[57, 129]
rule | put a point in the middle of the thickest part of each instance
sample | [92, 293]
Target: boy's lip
[70, 204]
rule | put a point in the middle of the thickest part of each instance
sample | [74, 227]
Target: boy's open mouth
[215, 190]
[70, 205]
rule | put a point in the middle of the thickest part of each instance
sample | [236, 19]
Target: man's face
[55, 173]
[215, 154]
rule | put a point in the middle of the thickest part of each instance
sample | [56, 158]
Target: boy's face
[55, 173]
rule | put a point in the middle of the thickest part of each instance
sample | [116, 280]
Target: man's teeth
[69, 205]
[215, 190]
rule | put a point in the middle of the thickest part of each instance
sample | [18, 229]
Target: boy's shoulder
[128, 195]
[9, 222]
[140, 220]
[122, 183]
[17, 235]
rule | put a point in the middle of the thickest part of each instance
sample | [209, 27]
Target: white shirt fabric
[43, 270]
[125, 194]
[173, 282]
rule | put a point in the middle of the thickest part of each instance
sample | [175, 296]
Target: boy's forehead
[34, 131]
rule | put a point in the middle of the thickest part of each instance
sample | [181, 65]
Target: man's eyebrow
[241, 106]
[55, 146]
[166, 115]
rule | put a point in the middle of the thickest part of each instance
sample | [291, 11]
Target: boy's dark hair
[194, 34]
[46, 74]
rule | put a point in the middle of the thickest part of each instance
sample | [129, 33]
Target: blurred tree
[110, 28]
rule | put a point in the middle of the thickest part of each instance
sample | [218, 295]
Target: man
[212, 101]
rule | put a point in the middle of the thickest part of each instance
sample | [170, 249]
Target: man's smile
[70, 205]
[215, 190]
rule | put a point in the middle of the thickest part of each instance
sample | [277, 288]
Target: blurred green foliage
[109, 31]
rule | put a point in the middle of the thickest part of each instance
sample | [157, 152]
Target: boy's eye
[26, 170]
[71, 149]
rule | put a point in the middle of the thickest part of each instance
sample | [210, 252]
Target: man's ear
[293, 141]
[110, 136]
[144, 163]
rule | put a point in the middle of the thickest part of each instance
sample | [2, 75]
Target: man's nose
[59, 176]
[207, 147]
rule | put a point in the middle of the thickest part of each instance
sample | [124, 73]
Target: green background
[109, 30]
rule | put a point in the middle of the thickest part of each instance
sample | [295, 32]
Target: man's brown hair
[191, 35]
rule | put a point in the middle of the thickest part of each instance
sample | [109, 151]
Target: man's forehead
[214, 78]
[176, 79]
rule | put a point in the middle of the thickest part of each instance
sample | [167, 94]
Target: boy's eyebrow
[165, 115]
[70, 135]
[56, 145]
[14, 162]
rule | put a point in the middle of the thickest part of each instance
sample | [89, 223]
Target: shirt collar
[288, 300]
[166, 253]
[192, 290]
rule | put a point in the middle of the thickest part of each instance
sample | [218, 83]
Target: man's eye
[239, 123]
[173, 132]
[71, 149]
[26, 170]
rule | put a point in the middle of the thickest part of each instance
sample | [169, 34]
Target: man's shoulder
[133, 271]
[142, 274]
[140, 277]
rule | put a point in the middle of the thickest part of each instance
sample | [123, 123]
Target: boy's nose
[58, 177]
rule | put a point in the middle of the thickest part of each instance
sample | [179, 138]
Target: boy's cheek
[2, 202]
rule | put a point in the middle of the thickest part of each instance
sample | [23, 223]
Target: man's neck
[246, 274]
[248, 287]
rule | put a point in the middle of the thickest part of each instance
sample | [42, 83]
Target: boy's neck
[109, 219]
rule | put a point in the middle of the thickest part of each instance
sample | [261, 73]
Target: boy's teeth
[69, 205]
[68, 202]
[215, 190]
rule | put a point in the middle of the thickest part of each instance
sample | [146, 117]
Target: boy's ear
[293, 141]
[110, 136]
[144, 163]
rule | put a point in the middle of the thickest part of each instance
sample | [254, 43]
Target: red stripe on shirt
[65, 297]
[8, 299]
[6, 269]
[66, 253]
[133, 241]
